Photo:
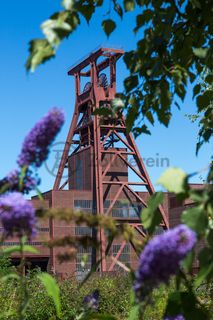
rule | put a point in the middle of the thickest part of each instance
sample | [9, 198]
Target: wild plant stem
[23, 287]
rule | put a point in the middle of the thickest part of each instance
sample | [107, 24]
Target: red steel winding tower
[104, 152]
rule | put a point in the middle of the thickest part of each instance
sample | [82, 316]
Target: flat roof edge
[82, 63]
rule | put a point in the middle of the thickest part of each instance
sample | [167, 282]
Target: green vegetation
[115, 298]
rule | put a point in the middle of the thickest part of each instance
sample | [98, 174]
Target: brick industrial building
[106, 174]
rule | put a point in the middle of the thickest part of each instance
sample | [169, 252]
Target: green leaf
[40, 51]
[4, 188]
[209, 237]
[129, 5]
[174, 180]
[9, 277]
[59, 26]
[103, 111]
[39, 194]
[143, 18]
[143, 129]
[86, 10]
[196, 3]
[150, 117]
[164, 117]
[204, 100]
[133, 314]
[196, 90]
[206, 267]
[96, 316]
[150, 216]
[118, 8]
[188, 261]
[108, 26]
[117, 103]
[99, 3]
[184, 303]
[209, 79]
[189, 306]
[173, 304]
[131, 115]
[196, 219]
[130, 83]
[22, 177]
[68, 4]
[200, 52]
[55, 31]
[52, 289]
[26, 248]
[10, 314]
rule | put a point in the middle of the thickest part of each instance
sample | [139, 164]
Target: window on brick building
[82, 269]
[16, 243]
[126, 210]
[83, 231]
[84, 205]
[79, 181]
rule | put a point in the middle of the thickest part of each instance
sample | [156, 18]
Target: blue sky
[25, 98]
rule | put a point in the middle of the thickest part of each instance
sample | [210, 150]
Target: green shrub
[115, 297]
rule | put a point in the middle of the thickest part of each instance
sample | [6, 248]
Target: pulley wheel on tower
[103, 81]
[87, 86]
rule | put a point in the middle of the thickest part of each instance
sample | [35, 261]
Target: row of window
[83, 231]
[84, 268]
[120, 209]
[83, 204]
[16, 243]
[41, 229]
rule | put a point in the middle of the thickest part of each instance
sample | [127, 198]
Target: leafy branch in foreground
[204, 116]
[175, 46]
[200, 219]
[109, 224]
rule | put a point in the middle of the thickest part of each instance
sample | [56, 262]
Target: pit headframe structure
[103, 135]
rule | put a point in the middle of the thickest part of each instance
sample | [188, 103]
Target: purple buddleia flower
[161, 258]
[177, 317]
[29, 182]
[17, 215]
[36, 145]
[91, 301]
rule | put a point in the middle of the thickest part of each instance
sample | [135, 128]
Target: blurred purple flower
[17, 215]
[36, 145]
[177, 317]
[92, 301]
[29, 182]
[161, 258]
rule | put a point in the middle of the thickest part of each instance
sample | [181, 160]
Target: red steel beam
[125, 142]
[98, 175]
[125, 183]
[68, 140]
[142, 168]
[136, 195]
[107, 136]
[117, 255]
[133, 169]
[109, 165]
